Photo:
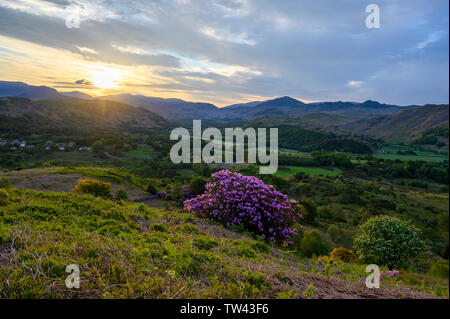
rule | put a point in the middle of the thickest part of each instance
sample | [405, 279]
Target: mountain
[402, 126]
[77, 94]
[20, 89]
[291, 108]
[69, 116]
[171, 109]
[249, 104]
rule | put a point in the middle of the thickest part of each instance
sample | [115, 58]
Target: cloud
[355, 84]
[87, 50]
[431, 38]
[233, 49]
[241, 38]
[84, 82]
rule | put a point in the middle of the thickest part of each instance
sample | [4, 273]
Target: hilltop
[402, 126]
[68, 116]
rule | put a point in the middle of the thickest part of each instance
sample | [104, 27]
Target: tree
[334, 232]
[177, 192]
[151, 189]
[310, 212]
[197, 185]
[385, 240]
[312, 244]
[98, 147]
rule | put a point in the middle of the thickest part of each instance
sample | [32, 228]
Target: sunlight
[106, 78]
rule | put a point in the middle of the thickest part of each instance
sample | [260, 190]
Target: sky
[230, 51]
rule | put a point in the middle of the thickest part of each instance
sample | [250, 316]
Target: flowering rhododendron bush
[235, 199]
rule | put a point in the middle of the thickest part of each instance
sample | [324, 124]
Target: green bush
[309, 212]
[197, 185]
[325, 212]
[151, 189]
[417, 183]
[343, 254]
[4, 197]
[312, 244]
[5, 182]
[205, 243]
[440, 269]
[158, 227]
[121, 194]
[442, 188]
[93, 187]
[334, 232]
[177, 192]
[385, 240]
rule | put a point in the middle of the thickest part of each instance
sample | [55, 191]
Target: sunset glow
[106, 78]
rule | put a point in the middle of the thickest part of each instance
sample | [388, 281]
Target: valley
[89, 180]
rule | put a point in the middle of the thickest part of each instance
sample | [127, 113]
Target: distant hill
[289, 107]
[77, 94]
[20, 89]
[324, 121]
[68, 116]
[403, 126]
[249, 104]
[172, 109]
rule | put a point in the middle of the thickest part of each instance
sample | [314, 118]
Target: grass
[291, 151]
[142, 152]
[114, 175]
[421, 155]
[292, 170]
[132, 251]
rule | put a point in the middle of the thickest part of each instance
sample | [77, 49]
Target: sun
[106, 78]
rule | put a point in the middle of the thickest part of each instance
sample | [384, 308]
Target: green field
[291, 151]
[437, 156]
[142, 152]
[308, 170]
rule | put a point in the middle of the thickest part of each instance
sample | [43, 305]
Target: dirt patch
[45, 180]
[284, 279]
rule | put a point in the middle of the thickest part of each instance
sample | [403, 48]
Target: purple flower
[245, 200]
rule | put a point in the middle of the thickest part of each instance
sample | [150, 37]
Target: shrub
[385, 240]
[121, 194]
[245, 201]
[343, 254]
[261, 247]
[417, 183]
[325, 212]
[205, 243]
[197, 185]
[93, 187]
[4, 197]
[440, 269]
[177, 192]
[158, 227]
[312, 244]
[442, 188]
[309, 292]
[5, 182]
[151, 189]
[334, 232]
[310, 212]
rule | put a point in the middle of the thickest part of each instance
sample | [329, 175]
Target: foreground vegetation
[132, 250]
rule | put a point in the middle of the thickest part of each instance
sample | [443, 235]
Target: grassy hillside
[403, 126]
[67, 117]
[131, 250]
